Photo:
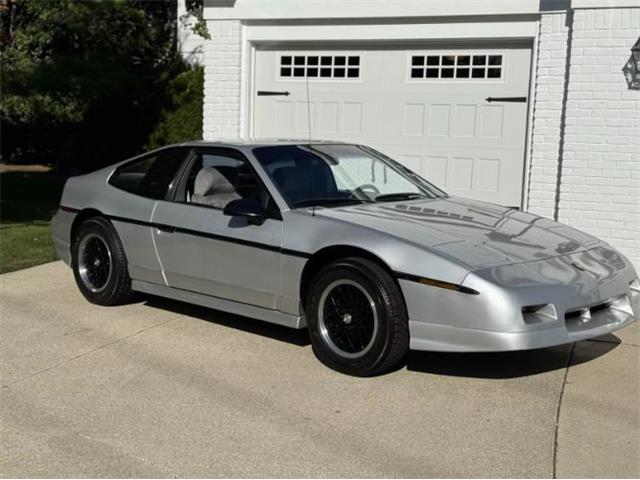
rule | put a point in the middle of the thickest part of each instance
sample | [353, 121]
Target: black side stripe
[273, 248]
[196, 233]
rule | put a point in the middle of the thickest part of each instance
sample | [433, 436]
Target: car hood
[473, 233]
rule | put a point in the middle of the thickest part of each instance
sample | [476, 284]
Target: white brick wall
[600, 184]
[600, 190]
[222, 73]
[549, 93]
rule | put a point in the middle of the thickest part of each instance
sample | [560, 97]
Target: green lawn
[29, 197]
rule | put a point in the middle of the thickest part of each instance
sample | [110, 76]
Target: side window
[215, 179]
[149, 176]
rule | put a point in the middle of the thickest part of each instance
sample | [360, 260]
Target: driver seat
[212, 188]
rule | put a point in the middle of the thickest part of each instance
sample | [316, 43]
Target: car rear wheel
[357, 318]
[99, 263]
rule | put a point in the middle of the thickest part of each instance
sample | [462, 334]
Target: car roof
[241, 143]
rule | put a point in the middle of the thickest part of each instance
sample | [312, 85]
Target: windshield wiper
[316, 202]
[389, 197]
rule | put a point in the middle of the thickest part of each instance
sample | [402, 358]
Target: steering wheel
[363, 190]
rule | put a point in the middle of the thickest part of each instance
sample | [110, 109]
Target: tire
[357, 318]
[100, 264]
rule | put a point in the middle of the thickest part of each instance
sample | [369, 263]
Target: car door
[140, 182]
[205, 251]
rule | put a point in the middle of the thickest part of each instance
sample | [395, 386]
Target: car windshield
[336, 175]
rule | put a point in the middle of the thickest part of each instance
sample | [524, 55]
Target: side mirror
[248, 208]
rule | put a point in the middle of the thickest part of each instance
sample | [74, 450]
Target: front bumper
[579, 304]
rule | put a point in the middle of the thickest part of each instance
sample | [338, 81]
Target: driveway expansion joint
[84, 354]
[557, 426]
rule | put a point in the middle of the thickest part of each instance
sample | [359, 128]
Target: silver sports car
[343, 240]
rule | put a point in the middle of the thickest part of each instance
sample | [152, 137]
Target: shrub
[181, 118]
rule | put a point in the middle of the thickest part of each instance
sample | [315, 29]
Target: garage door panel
[491, 121]
[442, 128]
[467, 122]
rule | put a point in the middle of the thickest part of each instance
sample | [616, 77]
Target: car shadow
[505, 365]
[491, 365]
[246, 324]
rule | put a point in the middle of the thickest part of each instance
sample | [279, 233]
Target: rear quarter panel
[93, 192]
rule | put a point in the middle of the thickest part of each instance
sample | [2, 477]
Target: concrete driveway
[163, 389]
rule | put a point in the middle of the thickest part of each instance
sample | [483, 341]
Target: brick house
[526, 103]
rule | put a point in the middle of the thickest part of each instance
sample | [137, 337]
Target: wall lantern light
[635, 56]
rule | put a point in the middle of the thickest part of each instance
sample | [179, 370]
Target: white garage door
[427, 108]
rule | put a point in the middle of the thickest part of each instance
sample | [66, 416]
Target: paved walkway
[164, 389]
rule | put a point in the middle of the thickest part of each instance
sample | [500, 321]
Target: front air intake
[533, 314]
[614, 311]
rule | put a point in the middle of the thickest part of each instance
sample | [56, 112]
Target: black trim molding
[69, 209]
[196, 233]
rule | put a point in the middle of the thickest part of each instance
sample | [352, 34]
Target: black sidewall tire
[118, 288]
[391, 342]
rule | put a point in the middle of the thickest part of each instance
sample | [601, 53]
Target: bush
[181, 118]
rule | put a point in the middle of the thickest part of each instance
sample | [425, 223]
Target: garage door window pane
[479, 59]
[448, 60]
[314, 66]
[456, 66]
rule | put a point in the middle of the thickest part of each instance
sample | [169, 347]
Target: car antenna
[308, 108]
[306, 77]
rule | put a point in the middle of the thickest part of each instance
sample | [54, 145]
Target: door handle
[506, 99]
[165, 229]
[266, 93]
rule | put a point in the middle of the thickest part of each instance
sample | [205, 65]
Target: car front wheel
[357, 318]
[99, 263]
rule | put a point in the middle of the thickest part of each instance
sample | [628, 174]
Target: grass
[29, 196]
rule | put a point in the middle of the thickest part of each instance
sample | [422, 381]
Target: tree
[84, 83]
